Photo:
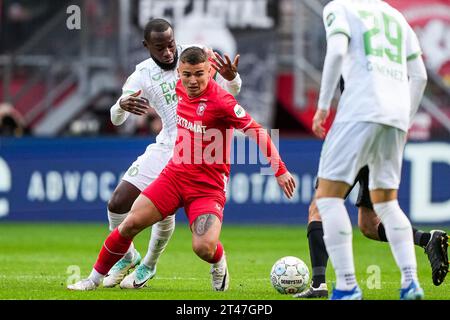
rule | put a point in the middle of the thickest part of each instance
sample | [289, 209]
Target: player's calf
[368, 223]
[205, 251]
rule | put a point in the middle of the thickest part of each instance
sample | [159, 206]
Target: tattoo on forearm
[203, 223]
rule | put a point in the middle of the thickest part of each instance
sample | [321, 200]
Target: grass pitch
[38, 260]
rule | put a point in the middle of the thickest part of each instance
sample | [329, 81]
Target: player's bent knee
[142, 215]
[365, 229]
[134, 224]
[119, 203]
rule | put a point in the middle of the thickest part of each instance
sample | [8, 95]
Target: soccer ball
[289, 275]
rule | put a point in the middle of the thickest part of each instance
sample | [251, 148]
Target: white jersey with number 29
[375, 67]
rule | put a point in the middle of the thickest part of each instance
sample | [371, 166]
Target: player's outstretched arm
[417, 74]
[127, 104]
[287, 183]
[229, 77]
[318, 125]
[135, 104]
[337, 47]
[265, 144]
[131, 100]
[236, 116]
[226, 68]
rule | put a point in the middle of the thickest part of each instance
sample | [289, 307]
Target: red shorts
[170, 193]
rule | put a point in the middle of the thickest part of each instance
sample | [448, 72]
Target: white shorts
[349, 146]
[149, 165]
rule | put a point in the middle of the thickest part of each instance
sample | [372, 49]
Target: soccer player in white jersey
[153, 84]
[373, 47]
[434, 242]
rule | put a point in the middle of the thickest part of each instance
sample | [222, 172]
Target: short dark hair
[156, 25]
[193, 55]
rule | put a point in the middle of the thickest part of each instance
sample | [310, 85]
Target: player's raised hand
[318, 122]
[226, 68]
[135, 104]
[287, 183]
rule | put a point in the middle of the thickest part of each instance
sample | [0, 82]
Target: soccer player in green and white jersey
[376, 51]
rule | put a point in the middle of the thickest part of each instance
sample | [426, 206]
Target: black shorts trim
[362, 178]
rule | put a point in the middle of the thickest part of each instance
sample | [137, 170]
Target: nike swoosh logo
[138, 285]
[222, 287]
[344, 233]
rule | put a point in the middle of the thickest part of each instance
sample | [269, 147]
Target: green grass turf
[36, 260]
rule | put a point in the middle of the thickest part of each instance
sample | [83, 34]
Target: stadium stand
[53, 75]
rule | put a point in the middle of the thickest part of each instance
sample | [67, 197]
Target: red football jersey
[204, 136]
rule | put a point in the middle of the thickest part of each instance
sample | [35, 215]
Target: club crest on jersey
[239, 111]
[201, 109]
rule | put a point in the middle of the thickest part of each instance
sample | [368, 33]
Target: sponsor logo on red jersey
[195, 127]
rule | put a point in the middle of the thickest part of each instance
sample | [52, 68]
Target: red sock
[218, 255]
[113, 249]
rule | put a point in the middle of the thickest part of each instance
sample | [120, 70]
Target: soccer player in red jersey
[196, 176]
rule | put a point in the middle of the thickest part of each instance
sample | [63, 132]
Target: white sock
[399, 234]
[115, 220]
[220, 262]
[338, 234]
[130, 253]
[96, 277]
[161, 233]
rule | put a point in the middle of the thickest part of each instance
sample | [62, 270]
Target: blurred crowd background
[63, 63]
